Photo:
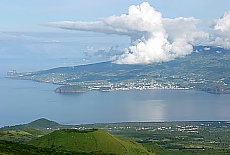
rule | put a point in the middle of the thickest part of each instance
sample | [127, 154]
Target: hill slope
[21, 136]
[87, 141]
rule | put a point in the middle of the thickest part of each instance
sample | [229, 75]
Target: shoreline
[61, 85]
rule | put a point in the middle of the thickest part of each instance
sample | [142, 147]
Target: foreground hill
[88, 141]
[207, 69]
[63, 141]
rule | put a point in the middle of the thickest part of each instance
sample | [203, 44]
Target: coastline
[64, 88]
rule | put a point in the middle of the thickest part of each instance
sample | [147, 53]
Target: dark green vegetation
[13, 148]
[164, 138]
[206, 70]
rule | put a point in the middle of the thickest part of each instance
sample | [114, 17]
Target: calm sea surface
[23, 101]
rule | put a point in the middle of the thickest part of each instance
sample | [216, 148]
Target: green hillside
[87, 141]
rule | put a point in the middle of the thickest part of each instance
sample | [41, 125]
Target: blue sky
[148, 40]
[27, 15]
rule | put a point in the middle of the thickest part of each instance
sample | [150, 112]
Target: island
[207, 69]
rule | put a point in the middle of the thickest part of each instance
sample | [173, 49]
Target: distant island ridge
[205, 70]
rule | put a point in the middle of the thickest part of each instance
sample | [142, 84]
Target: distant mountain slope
[41, 123]
[87, 141]
[207, 69]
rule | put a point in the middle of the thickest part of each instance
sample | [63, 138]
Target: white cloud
[221, 30]
[154, 38]
[185, 28]
[223, 24]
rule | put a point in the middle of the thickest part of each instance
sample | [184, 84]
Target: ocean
[23, 101]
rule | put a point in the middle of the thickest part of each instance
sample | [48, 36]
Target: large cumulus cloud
[154, 38]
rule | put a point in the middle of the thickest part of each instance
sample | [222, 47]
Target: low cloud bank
[154, 38]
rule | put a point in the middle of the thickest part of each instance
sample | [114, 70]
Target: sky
[27, 15]
[156, 30]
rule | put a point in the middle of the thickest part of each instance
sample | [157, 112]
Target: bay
[22, 101]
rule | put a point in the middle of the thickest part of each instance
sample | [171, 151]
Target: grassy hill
[87, 141]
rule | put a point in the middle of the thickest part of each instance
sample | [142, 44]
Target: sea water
[23, 101]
